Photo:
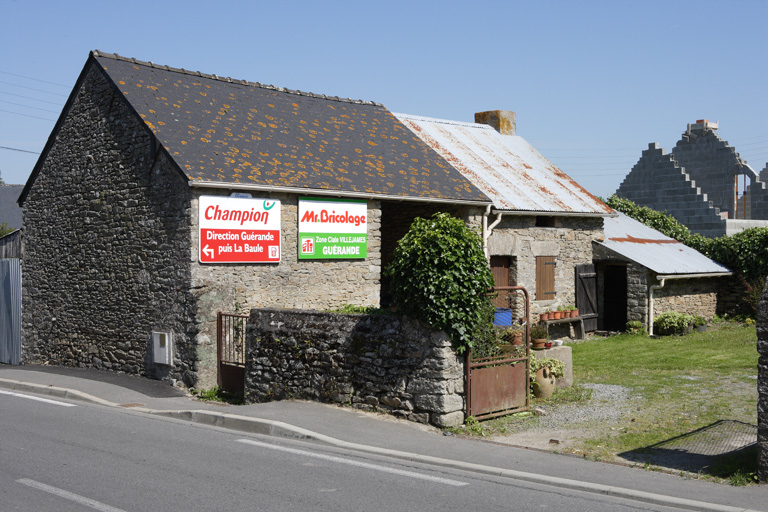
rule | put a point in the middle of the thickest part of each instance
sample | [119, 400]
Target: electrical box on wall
[163, 347]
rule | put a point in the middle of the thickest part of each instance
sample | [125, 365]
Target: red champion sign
[239, 230]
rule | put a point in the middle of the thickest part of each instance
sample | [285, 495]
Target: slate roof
[220, 130]
[654, 250]
[10, 212]
[506, 168]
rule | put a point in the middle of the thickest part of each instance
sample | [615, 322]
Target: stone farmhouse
[164, 196]
[703, 183]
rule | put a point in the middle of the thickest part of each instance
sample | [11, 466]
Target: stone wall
[697, 297]
[370, 362]
[106, 235]
[762, 385]
[570, 241]
[290, 284]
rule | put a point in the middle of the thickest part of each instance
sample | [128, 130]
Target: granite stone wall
[762, 385]
[697, 297]
[290, 284]
[569, 241]
[106, 234]
[371, 362]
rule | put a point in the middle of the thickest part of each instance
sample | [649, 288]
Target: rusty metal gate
[230, 342]
[498, 385]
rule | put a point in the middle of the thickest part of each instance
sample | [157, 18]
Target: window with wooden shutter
[545, 277]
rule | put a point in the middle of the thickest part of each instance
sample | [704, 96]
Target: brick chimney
[503, 121]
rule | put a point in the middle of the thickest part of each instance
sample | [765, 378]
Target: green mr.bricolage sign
[332, 229]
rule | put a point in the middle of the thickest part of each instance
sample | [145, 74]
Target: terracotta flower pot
[538, 344]
[543, 317]
[517, 339]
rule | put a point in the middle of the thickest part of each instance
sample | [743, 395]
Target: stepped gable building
[703, 183]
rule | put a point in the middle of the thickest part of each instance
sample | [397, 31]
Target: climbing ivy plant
[440, 275]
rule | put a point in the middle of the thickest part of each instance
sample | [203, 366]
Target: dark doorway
[614, 298]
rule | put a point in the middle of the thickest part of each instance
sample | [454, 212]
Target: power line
[26, 115]
[27, 106]
[35, 79]
[30, 98]
[32, 88]
[20, 150]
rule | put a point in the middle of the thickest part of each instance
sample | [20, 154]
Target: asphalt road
[63, 457]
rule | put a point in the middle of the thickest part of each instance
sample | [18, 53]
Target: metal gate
[230, 342]
[10, 311]
[586, 295]
[498, 385]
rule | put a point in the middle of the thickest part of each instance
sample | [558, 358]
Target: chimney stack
[503, 121]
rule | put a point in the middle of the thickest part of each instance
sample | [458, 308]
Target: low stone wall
[697, 297]
[385, 363]
[762, 385]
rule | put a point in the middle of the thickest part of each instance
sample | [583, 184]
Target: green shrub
[671, 322]
[440, 275]
[636, 327]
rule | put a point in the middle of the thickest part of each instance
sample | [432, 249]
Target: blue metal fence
[10, 311]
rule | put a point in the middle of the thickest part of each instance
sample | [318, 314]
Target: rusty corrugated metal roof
[220, 130]
[654, 250]
[506, 168]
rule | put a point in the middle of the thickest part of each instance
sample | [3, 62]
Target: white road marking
[331, 458]
[46, 400]
[70, 496]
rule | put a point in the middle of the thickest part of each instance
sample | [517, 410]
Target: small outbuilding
[641, 273]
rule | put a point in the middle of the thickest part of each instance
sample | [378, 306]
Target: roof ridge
[98, 53]
[443, 121]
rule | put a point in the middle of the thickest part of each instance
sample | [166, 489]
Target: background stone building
[703, 183]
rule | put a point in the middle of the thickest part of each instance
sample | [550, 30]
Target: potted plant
[575, 312]
[514, 334]
[538, 336]
[544, 373]
[545, 315]
[700, 324]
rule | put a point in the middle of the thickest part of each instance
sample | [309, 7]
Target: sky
[592, 82]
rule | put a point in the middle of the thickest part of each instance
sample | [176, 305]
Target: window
[545, 277]
[545, 222]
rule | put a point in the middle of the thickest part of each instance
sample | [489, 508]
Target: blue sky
[592, 82]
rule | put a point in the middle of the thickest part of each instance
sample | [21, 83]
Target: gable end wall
[106, 245]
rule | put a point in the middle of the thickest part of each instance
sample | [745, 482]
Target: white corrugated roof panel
[505, 167]
[654, 250]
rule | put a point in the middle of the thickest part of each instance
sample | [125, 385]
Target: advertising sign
[332, 229]
[239, 230]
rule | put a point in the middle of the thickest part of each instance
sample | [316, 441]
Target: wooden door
[586, 295]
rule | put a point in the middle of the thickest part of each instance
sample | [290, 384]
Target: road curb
[285, 430]
[53, 391]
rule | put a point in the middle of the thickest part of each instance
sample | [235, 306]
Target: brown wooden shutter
[545, 277]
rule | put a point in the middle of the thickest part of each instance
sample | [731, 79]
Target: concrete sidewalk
[380, 434]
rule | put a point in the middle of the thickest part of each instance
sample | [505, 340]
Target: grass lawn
[683, 383]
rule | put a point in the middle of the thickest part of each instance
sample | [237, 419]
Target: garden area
[642, 401]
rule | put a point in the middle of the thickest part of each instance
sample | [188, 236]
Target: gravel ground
[564, 425]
